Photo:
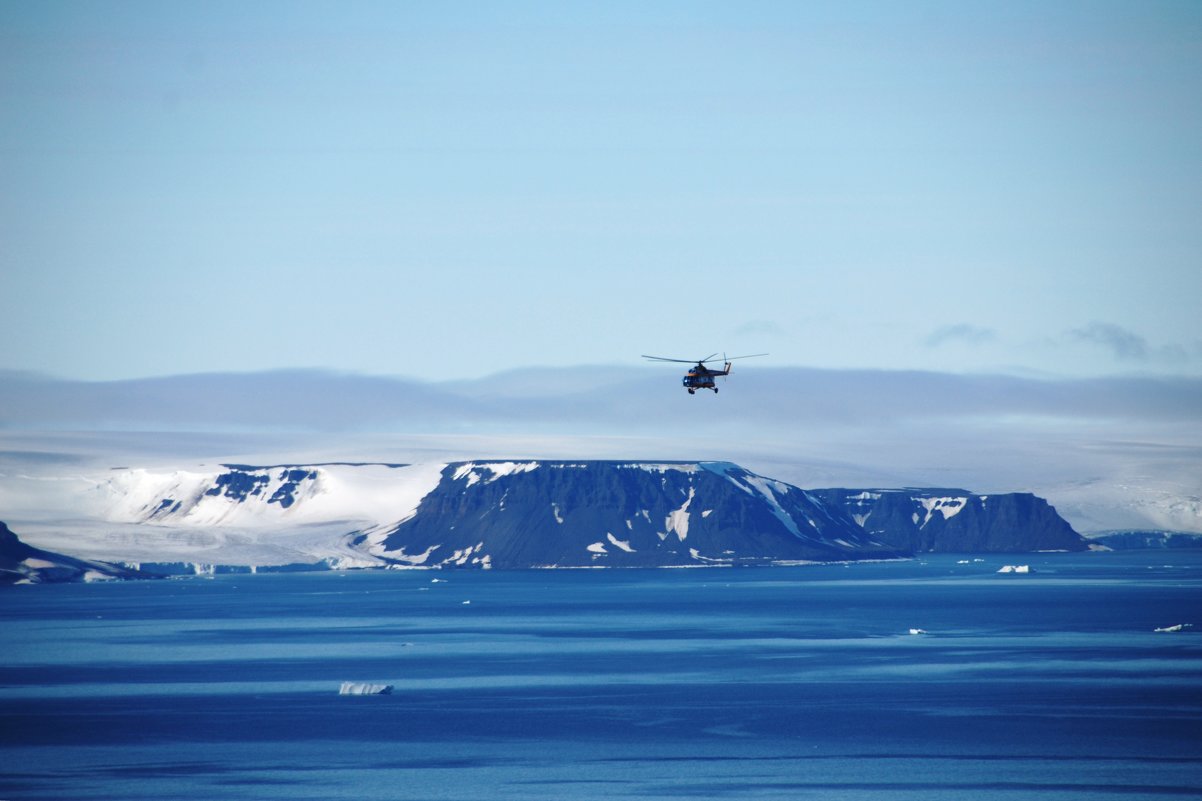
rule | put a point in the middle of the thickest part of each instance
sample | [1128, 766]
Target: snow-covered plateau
[217, 514]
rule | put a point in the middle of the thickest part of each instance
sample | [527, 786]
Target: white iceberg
[918, 631]
[1016, 569]
[1178, 627]
[361, 688]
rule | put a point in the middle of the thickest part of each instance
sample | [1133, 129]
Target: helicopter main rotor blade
[666, 359]
[748, 356]
[706, 360]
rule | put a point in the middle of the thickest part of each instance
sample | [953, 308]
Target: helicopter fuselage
[702, 377]
[699, 376]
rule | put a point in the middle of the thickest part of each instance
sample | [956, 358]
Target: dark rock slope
[956, 521]
[615, 514]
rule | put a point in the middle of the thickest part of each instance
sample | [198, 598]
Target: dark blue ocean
[770, 683]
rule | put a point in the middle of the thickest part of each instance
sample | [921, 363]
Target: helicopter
[700, 376]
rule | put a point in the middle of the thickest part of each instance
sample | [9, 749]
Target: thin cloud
[760, 328]
[1121, 342]
[585, 400]
[960, 333]
[1126, 345]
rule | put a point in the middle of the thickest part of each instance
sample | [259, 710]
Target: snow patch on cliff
[475, 471]
[948, 507]
[617, 543]
[663, 467]
[678, 520]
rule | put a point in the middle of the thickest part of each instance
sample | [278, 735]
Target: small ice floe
[361, 688]
[465, 603]
[918, 631]
[438, 581]
[963, 562]
[1016, 569]
[1178, 627]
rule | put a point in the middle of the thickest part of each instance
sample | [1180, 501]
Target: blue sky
[444, 190]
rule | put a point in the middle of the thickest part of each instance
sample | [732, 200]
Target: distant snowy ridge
[241, 495]
[1143, 540]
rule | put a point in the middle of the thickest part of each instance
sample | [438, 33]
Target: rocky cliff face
[614, 514]
[956, 521]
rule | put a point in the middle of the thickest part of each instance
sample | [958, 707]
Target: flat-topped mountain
[956, 521]
[620, 514]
